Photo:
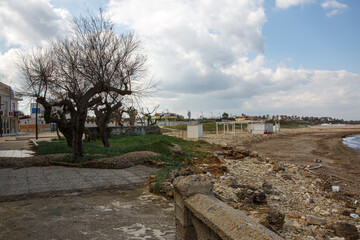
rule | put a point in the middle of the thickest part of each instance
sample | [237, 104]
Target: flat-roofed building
[9, 110]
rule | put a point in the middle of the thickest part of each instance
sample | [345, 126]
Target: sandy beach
[307, 146]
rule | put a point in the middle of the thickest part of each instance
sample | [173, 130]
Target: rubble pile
[288, 199]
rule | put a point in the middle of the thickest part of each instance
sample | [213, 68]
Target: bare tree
[132, 112]
[69, 81]
[104, 111]
[148, 114]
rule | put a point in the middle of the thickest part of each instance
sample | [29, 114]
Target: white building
[260, 127]
[9, 110]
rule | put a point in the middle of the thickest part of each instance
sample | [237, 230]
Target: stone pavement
[37, 180]
[16, 153]
[117, 214]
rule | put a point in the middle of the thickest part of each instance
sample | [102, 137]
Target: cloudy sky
[297, 57]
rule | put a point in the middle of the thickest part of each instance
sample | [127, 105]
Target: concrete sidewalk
[37, 180]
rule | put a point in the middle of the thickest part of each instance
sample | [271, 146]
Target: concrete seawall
[201, 216]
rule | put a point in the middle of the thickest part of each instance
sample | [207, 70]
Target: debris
[230, 181]
[276, 219]
[335, 188]
[316, 167]
[346, 230]
[357, 211]
[259, 197]
[314, 220]
[354, 215]
[278, 167]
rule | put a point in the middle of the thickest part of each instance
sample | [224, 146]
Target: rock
[230, 181]
[316, 209]
[345, 211]
[224, 168]
[256, 161]
[275, 219]
[185, 172]
[193, 184]
[357, 211]
[317, 231]
[266, 185]
[253, 154]
[172, 175]
[292, 170]
[176, 149]
[314, 220]
[259, 197]
[278, 167]
[324, 213]
[275, 198]
[317, 160]
[218, 153]
[346, 230]
[287, 177]
[167, 189]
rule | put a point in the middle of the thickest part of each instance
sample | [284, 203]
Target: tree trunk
[78, 124]
[57, 132]
[103, 136]
[67, 131]
[77, 146]
[102, 119]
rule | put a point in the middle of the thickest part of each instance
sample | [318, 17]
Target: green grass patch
[125, 144]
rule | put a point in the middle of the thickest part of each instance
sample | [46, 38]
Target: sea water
[353, 142]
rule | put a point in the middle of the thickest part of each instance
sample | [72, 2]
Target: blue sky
[311, 39]
[251, 56]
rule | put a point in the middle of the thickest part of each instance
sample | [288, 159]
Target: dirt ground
[314, 146]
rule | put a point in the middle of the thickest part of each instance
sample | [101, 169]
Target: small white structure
[195, 131]
[260, 127]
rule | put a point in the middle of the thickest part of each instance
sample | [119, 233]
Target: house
[9, 110]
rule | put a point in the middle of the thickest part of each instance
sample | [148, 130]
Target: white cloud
[200, 50]
[188, 42]
[284, 4]
[333, 7]
[24, 23]
[8, 70]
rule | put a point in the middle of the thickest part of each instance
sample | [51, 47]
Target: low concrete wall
[201, 216]
[128, 131]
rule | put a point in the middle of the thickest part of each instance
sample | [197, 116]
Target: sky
[258, 57]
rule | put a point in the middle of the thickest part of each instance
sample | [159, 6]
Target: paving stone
[47, 179]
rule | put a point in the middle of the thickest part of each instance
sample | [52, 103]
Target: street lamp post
[36, 121]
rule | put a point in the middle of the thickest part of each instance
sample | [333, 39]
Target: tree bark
[78, 123]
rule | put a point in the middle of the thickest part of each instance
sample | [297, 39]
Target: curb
[34, 142]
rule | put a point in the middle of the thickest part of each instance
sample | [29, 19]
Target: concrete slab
[125, 214]
[16, 153]
[53, 179]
